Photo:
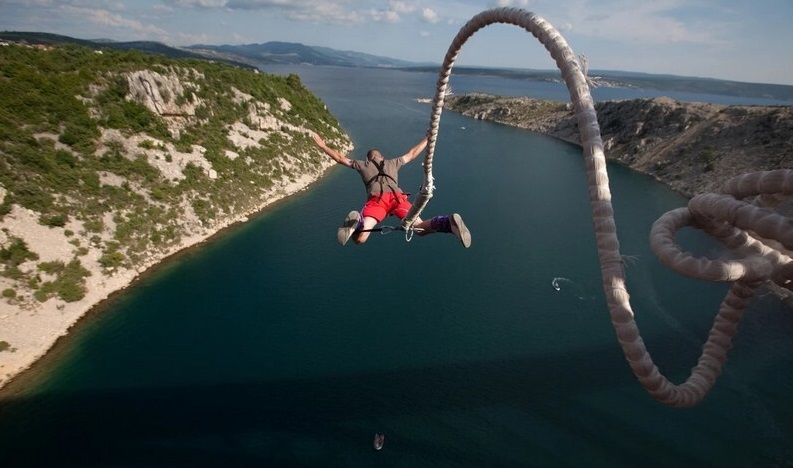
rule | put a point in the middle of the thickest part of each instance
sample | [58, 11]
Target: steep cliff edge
[691, 147]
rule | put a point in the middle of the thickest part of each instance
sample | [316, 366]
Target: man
[380, 176]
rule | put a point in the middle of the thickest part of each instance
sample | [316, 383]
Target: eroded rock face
[162, 94]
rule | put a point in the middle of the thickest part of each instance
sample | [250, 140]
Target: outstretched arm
[415, 151]
[338, 157]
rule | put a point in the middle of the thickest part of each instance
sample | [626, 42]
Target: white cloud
[197, 3]
[510, 3]
[429, 15]
[106, 18]
[322, 11]
[657, 22]
[312, 11]
[401, 7]
[394, 13]
[385, 16]
[102, 4]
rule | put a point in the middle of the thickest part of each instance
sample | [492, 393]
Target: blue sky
[742, 40]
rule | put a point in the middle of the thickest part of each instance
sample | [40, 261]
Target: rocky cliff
[692, 147]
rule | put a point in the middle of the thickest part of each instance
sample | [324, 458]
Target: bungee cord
[760, 238]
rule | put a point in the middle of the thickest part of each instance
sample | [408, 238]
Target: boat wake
[562, 284]
[379, 440]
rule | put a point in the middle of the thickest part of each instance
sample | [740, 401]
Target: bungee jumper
[384, 197]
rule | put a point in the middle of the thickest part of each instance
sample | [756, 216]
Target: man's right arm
[338, 157]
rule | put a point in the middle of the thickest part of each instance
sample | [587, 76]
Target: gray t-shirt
[387, 181]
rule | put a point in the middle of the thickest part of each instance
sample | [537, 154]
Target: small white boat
[379, 440]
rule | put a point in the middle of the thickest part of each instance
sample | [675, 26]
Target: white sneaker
[459, 230]
[348, 227]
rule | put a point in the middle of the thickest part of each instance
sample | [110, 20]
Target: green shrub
[4, 346]
[16, 253]
[53, 268]
[5, 207]
[91, 181]
[32, 196]
[44, 292]
[80, 137]
[94, 225]
[148, 144]
[110, 260]
[71, 291]
[56, 220]
[9, 293]
[65, 158]
[34, 282]
[69, 284]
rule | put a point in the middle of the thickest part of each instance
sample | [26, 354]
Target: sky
[740, 40]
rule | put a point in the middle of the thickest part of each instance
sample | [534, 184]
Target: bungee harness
[380, 178]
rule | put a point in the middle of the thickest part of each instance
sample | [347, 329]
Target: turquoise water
[274, 346]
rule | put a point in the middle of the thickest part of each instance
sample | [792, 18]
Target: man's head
[374, 155]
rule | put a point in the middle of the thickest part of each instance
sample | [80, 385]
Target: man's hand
[338, 157]
[318, 140]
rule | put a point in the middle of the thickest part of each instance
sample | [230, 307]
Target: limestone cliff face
[692, 147]
[159, 92]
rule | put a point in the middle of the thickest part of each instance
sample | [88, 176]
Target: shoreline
[35, 360]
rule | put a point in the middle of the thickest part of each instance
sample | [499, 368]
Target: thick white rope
[764, 238]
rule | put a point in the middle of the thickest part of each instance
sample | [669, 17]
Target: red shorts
[389, 203]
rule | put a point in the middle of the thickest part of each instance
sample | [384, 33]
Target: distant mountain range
[151, 47]
[290, 53]
[247, 55]
[287, 53]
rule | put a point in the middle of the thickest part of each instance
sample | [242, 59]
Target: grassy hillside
[84, 153]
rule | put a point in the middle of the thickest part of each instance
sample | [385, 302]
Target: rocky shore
[691, 147]
[31, 330]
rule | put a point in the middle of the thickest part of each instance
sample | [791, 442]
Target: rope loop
[761, 239]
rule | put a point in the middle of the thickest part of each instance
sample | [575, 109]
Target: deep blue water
[274, 346]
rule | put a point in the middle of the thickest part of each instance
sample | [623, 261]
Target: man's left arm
[415, 151]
